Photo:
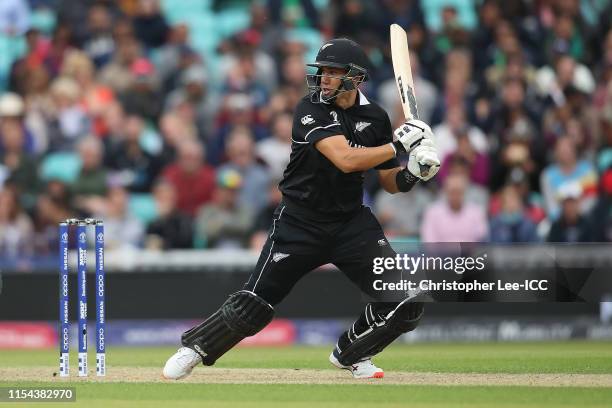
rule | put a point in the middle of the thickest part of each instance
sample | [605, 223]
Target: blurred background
[171, 121]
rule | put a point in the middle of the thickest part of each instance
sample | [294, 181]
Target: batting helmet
[340, 53]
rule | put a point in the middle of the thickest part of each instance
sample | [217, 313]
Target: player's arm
[387, 177]
[351, 159]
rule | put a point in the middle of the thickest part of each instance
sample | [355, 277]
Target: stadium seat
[63, 166]
[310, 37]
[11, 48]
[44, 20]
[142, 205]
[465, 11]
[229, 22]
[179, 11]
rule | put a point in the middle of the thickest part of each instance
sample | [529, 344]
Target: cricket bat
[403, 75]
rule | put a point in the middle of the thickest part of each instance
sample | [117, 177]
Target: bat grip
[424, 169]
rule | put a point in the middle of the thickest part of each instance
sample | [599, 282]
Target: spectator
[174, 131]
[16, 229]
[237, 111]
[458, 88]
[451, 35]
[400, 214]
[425, 91]
[474, 193]
[247, 69]
[193, 180]
[224, 223]
[571, 226]
[92, 178]
[135, 167]
[455, 124]
[601, 216]
[567, 72]
[293, 73]
[255, 179]
[175, 56]
[70, 121]
[149, 24]
[263, 220]
[171, 229]
[519, 145]
[452, 219]
[95, 98]
[192, 91]
[531, 200]
[35, 54]
[61, 43]
[275, 150]
[52, 207]
[142, 96]
[122, 229]
[484, 35]
[476, 162]
[14, 17]
[118, 74]
[99, 44]
[565, 38]
[568, 169]
[17, 164]
[512, 223]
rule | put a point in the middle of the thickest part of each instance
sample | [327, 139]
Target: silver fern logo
[359, 126]
[279, 256]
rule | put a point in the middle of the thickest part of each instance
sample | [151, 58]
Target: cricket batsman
[338, 134]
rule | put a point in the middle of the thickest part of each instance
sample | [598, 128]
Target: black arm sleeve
[405, 180]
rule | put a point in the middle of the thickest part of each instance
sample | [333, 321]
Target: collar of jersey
[362, 99]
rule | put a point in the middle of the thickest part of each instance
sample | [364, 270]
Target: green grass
[562, 357]
[230, 395]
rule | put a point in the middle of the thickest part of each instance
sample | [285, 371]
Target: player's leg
[381, 322]
[248, 311]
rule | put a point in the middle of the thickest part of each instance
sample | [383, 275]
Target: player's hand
[423, 161]
[410, 134]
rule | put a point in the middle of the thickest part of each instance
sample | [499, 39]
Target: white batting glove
[410, 134]
[423, 161]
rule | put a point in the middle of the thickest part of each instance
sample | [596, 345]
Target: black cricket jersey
[311, 180]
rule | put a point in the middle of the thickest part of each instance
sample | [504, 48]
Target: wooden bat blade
[403, 74]
[400, 55]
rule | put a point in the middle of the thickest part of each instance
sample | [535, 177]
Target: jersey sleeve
[386, 136]
[312, 123]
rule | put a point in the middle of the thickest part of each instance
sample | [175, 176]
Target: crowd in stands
[172, 120]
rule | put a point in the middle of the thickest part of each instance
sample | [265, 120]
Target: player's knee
[410, 317]
[246, 313]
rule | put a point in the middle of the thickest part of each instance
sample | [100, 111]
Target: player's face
[330, 80]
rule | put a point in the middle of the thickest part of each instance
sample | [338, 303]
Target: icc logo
[100, 237]
[64, 238]
[82, 237]
[334, 116]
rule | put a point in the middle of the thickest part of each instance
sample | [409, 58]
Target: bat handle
[424, 169]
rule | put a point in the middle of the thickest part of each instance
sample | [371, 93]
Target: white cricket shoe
[181, 364]
[361, 369]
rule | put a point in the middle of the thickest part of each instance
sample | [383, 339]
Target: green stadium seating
[63, 166]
